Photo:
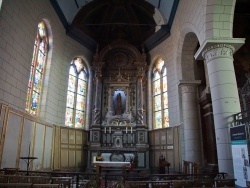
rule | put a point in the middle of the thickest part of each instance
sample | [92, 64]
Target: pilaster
[191, 127]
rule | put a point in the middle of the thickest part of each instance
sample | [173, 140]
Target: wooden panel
[163, 138]
[64, 136]
[157, 137]
[79, 138]
[79, 158]
[27, 140]
[11, 142]
[170, 135]
[64, 146]
[48, 147]
[64, 158]
[3, 110]
[72, 161]
[177, 150]
[72, 136]
[39, 146]
[56, 152]
[3, 119]
[78, 147]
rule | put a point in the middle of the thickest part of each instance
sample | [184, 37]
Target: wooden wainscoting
[166, 142]
[70, 148]
[54, 146]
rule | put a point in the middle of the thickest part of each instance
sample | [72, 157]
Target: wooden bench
[35, 180]
[153, 184]
[23, 185]
[225, 182]
[45, 185]
[62, 181]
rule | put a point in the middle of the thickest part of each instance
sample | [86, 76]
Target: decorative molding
[96, 136]
[189, 86]
[188, 89]
[218, 50]
[235, 42]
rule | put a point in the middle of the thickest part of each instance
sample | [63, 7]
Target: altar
[118, 128]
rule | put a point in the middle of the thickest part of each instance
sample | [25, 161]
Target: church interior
[123, 87]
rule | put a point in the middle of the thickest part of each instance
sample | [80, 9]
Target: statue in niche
[119, 104]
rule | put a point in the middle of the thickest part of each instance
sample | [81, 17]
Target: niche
[119, 102]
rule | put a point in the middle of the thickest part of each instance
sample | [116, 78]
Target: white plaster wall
[18, 24]
[204, 18]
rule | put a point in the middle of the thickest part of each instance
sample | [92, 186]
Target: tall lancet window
[76, 95]
[37, 70]
[160, 95]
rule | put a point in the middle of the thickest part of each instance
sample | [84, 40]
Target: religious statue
[99, 156]
[119, 104]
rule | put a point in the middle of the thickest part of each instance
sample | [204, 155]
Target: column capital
[218, 46]
[189, 86]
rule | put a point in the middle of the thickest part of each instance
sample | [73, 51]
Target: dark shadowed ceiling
[241, 29]
[99, 22]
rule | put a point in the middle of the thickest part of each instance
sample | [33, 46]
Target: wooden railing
[77, 179]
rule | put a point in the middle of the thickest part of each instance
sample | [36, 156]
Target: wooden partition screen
[54, 146]
[165, 142]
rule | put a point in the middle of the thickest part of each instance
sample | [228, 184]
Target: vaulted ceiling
[99, 22]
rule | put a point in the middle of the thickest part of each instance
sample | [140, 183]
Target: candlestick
[29, 150]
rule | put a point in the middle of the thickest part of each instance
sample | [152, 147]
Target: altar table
[100, 164]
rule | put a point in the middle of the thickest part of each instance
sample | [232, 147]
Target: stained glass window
[37, 70]
[76, 95]
[160, 95]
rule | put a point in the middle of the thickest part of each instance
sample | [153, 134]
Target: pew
[21, 185]
[153, 184]
[225, 182]
[45, 185]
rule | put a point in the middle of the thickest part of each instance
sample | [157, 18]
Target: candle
[126, 130]
[109, 129]
[105, 130]
[131, 130]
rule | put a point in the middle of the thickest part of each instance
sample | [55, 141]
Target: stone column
[191, 120]
[89, 101]
[127, 100]
[225, 99]
[98, 92]
[110, 101]
[140, 103]
[141, 68]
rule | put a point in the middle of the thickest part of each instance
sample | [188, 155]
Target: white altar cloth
[111, 164]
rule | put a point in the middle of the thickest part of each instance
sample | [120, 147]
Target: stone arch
[190, 115]
[188, 40]
[122, 44]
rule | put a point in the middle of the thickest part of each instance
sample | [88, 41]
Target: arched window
[160, 95]
[76, 95]
[37, 70]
